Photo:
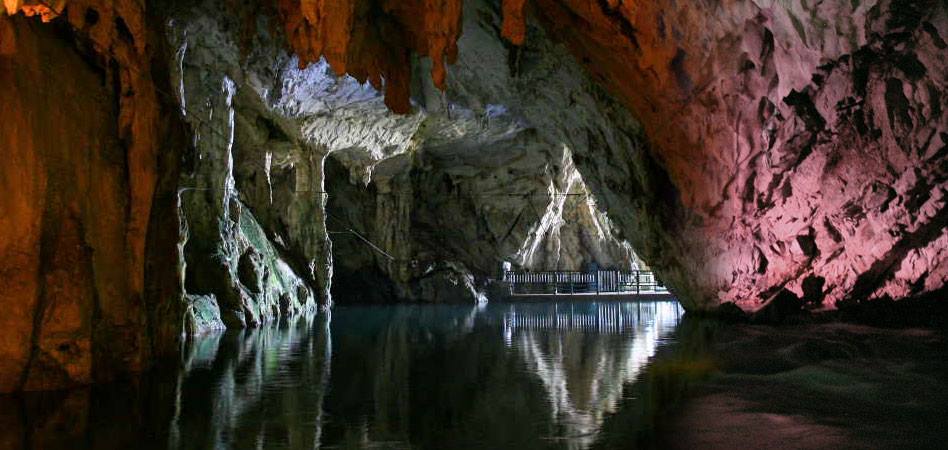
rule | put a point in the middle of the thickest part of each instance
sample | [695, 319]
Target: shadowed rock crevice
[883, 270]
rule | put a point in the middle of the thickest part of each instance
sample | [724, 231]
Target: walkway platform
[593, 297]
[594, 285]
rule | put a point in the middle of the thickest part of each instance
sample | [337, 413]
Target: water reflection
[259, 388]
[524, 376]
[541, 375]
[588, 359]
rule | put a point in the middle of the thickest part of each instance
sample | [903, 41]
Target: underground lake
[544, 375]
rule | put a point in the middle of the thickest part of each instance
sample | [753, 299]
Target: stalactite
[515, 23]
[372, 39]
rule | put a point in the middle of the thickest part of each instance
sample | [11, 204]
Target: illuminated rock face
[475, 175]
[80, 177]
[479, 174]
[794, 147]
[254, 247]
[127, 225]
[802, 143]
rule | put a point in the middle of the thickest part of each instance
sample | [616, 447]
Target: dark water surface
[524, 376]
[582, 375]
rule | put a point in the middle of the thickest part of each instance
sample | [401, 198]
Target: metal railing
[574, 282]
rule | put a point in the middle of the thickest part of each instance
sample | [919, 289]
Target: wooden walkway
[612, 283]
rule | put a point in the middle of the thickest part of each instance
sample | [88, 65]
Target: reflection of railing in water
[604, 318]
[572, 282]
[585, 379]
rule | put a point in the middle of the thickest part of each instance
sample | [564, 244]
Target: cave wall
[124, 196]
[447, 217]
[791, 146]
[80, 172]
[478, 174]
[61, 238]
[804, 144]
[254, 246]
[246, 213]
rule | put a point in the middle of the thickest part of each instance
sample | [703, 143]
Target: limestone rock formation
[423, 206]
[373, 40]
[81, 179]
[130, 237]
[248, 190]
[801, 141]
[760, 116]
[478, 175]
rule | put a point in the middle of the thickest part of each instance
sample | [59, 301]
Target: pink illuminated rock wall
[803, 143]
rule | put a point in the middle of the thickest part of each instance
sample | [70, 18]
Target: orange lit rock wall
[79, 132]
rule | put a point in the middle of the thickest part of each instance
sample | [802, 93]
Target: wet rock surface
[251, 187]
[424, 206]
[816, 386]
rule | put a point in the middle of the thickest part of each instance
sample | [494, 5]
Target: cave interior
[175, 169]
